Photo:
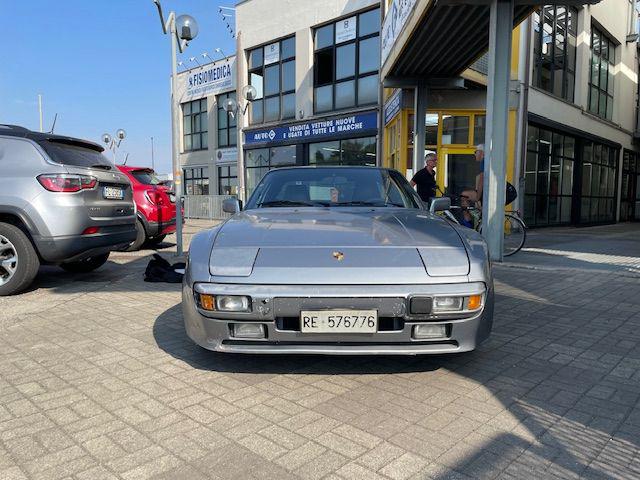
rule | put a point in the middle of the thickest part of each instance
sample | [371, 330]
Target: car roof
[327, 167]
[21, 132]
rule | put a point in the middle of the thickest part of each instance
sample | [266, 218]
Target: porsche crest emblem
[338, 256]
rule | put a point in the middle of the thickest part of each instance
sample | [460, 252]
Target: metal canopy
[451, 35]
[447, 41]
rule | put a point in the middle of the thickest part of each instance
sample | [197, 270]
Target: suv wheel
[87, 265]
[19, 261]
[141, 237]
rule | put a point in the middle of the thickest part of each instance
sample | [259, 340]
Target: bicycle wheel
[515, 234]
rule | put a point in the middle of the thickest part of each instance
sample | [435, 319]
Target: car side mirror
[231, 205]
[440, 204]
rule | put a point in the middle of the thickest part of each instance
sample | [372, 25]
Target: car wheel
[141, 237]
[87, 265]
[156, 240]
[19, 261]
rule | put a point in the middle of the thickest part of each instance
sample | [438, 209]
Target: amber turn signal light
[475, 302]
[207, 302]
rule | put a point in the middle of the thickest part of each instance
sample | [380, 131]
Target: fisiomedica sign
[210, 79]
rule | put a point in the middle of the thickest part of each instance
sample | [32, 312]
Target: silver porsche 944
[337, 260]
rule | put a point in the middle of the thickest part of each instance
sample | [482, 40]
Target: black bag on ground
[159, 270]
[511, 194]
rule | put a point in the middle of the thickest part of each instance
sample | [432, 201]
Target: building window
[355, 151]
[554, 49]
[196, 181]
[548, 177]
[603, 53]
[195, 125]
[630, 194]
[346, 62]
[259, 161]
[228, 180]
[272, 71]
[599, 179]
[227, 132]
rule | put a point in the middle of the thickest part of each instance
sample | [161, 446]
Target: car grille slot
[385, 324]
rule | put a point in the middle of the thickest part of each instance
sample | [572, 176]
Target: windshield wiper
[286, 203]
[359, 203]
[101, 166]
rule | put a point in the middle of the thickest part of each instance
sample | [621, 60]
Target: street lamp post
[181, 31]
[230, 105]
[113, 142]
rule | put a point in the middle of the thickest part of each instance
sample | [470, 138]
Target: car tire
[156, 240]
[87, 265]
[141, 237]
[14, 242]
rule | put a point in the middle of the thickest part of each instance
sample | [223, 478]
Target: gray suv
[62, 202]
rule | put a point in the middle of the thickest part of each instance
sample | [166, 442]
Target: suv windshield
[146, 177]
[333, 187]
[76, 154]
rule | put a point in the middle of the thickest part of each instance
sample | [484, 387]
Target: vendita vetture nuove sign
[316, 129]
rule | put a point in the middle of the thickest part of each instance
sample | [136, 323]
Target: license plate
[339, 321]
[113, 193]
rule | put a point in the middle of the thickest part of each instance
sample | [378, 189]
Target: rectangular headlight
[447, 304]
[232, 303]
[248, 330]
[426, 330]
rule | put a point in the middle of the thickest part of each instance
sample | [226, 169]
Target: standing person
[473, 196]
[425, 179]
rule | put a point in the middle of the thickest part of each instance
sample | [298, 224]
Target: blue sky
[101, 65]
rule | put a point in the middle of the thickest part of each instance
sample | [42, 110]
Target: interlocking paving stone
[99, 381]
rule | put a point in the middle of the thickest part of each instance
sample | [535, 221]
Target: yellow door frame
[443, 166]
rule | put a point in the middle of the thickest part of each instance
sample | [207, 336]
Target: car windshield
[146, 177]
[333, 187]
[76, 154]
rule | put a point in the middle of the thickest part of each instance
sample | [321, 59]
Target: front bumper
[211, 330]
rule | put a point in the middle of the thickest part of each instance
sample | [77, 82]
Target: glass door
[636, 215]
[457, 170]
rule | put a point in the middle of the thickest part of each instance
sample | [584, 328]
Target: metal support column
[495, 165]
[175, 138]
[419, 128]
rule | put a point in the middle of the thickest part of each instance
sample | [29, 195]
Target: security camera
[121, 134]
[106, 138]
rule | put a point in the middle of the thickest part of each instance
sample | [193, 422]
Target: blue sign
[351, 124]
[393, 105]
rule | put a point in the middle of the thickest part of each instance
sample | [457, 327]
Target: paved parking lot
[98, 381]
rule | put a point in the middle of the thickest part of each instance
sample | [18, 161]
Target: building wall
[262, 21]
[612, 17]
[207, 157]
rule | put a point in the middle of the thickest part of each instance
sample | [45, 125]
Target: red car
[155, 203]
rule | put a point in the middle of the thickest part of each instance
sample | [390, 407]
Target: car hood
[338, 245]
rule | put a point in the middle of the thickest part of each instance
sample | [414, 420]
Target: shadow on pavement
[549, 395]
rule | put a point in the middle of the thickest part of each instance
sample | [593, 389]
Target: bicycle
[515, 230]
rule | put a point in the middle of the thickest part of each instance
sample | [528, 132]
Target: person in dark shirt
[425, 179]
